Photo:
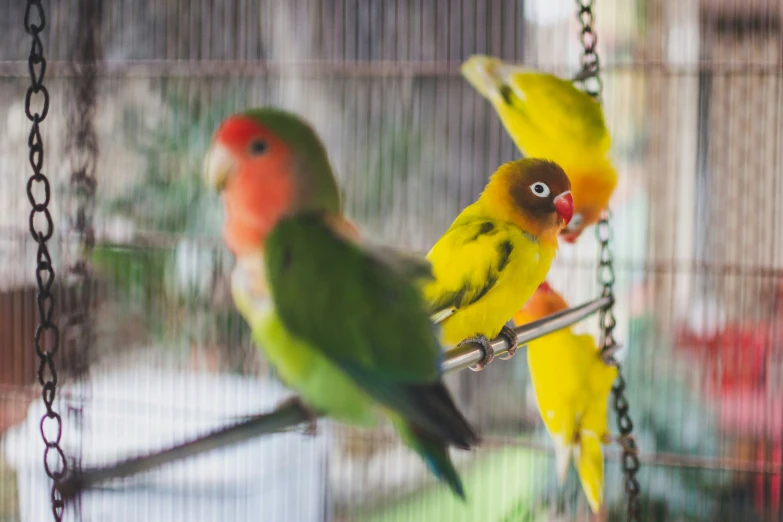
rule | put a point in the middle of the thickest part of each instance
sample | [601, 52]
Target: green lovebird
[343, 324]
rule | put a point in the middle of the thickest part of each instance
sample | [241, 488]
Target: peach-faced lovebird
[572, 384]
[497, 251]
[344, 327]
[548, 117]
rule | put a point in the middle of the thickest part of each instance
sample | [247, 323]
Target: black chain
[589, 76]
[590, 80]
[609, 346]
[47, 335]
[606, 278]
[82, 150]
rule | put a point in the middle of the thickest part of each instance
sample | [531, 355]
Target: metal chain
[606, 278]
[82, 150]
[589, 76]
[609, 346]
[47, 335]
[590, 81]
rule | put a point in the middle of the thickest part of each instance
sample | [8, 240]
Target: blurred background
[693, 95]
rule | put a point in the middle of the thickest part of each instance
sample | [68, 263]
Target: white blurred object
[119, 229]
[705, 317]
[548, 12]
[133, 412]
[194, 266]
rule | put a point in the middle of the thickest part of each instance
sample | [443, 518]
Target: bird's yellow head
[534, 194]
[544, 302]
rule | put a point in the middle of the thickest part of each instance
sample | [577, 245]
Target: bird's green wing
[366, 317]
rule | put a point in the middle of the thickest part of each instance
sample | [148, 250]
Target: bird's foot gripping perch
[312, 418]
[486, 345]
[510, 336]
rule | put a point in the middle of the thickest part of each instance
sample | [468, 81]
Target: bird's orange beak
[564, 205]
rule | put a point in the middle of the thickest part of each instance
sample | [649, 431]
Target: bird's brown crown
[532, 193]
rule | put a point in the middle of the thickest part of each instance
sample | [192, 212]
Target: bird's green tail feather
[433, 451]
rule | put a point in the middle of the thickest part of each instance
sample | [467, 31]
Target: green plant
[170, 270]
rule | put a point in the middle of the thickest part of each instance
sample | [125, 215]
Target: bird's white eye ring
[540, 189]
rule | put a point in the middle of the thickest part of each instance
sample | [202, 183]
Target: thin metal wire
[150, 239]
[47, 334]
[166, 68]
[677, 460]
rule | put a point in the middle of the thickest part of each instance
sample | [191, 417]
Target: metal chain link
[589, 80]
[589, 77]
[607, 322]
[47, 334]
[82, 151]
[606, 278]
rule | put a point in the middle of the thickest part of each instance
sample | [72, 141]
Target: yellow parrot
[572, 385]
[548, 117]
[496, 252]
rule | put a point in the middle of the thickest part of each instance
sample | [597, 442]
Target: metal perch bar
[291, 413]
[469, 354]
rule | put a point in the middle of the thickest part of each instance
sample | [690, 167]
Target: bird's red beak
[545, 288]
[564, 204]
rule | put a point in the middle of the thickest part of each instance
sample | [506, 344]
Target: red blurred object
[743, 364]
[774, 480]
[738, 358]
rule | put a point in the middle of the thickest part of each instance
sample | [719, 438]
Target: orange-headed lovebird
[572, 384]
[344, 328]
[497, 251]
[548, 117]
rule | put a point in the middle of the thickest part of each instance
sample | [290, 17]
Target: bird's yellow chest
[527, 268]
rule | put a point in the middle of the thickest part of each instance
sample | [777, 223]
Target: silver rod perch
[469, 354]
[291, 414]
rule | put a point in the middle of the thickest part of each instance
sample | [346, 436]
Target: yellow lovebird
[572, 385]
[548, 117]
[498, 250]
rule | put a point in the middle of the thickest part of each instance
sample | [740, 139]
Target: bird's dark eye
[257, 147]
[540, 189]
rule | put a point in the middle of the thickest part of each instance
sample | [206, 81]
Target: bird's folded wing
[467, 261]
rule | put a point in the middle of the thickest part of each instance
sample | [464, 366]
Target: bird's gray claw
[607, 354]
[511, 339]
[489, 352]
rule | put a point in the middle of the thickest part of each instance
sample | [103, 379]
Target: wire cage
[153, 352]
